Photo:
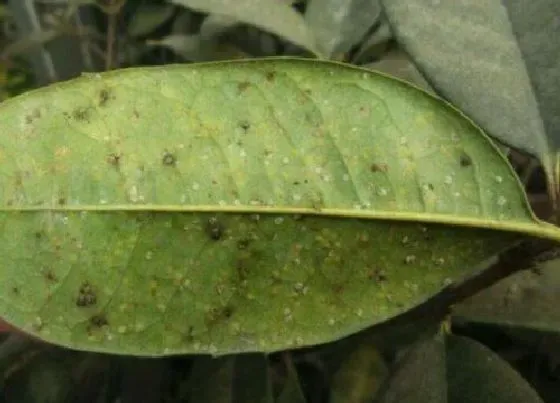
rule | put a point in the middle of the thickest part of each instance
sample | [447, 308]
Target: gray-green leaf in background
[499, 61]
[476, 374]
[276, 17]
[339, 24]
[242, 206]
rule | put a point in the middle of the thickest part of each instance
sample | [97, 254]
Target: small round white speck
[499, 179]
[382, 192]
[222, 203]
[243, 154]
[296, 197]
[212, 349]
[502, 201]
[403, 141]
[149, 255]
[195, 186]
[285, 160]
[331, 321]
[448, 180]
[318, 170]
[345, 177]
[237, 202]
[359, 312]
[278, 220]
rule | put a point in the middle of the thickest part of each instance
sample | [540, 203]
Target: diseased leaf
[338, 25]
[276, 17]
[496, 60]
[240, 206]
[477, 374]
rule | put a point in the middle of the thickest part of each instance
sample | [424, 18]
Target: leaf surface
[500, 65]
[240, 206]
[276, 17]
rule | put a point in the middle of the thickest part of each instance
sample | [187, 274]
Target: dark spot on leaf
[245, 125]
[378, 275]
[104, 96]
[98, 320]
[135, 113]
[270, 76]
[15, 290]
[38, 234]
[243, 85]
[86, 295]
[243, 243]
[465, 160]
[30, 118]
[62, 201]
[169, 159]
[378, 168]
[214, 229]
[50, 276]
[81, 114]
[114, 159]
[430, 186]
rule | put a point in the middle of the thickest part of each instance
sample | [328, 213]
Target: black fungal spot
[270, 76]
[30, 118]
[81, 114]
[378, 275]
[243, 85]
[38, 235]
[378, 168]
[86, 295]
[244, 125]
[98, 320]
[61, 201]
[243, 243]
[465, 160]
[114, 159]
[50, 276]
[104, 96]
[430, 186]
[169, 159]
[214, 229]
[15, 290]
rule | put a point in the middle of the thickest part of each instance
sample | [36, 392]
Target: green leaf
[291, 391]
[499, 65]
[477, 374]
[242, 378]
[420, 375]
[240, 206]
[339, 25]
[148, 17]
[360, 375]
[211, 379]
[528, 300]
[276, 17]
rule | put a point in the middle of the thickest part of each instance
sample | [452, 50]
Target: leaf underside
[239, 206]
